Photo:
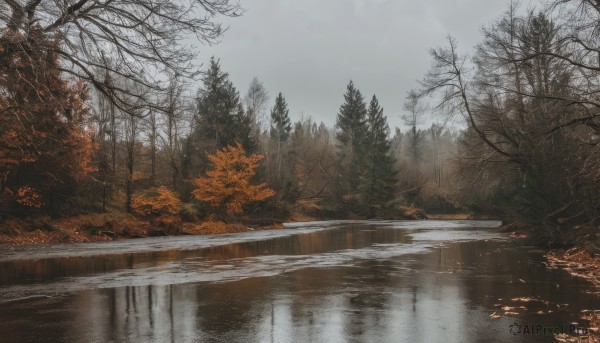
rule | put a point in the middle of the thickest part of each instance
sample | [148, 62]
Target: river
[334, 281]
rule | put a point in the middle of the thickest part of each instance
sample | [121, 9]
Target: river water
[335, 281]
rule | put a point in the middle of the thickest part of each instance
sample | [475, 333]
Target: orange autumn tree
[227, 185]
[156, 202]
[44, 148]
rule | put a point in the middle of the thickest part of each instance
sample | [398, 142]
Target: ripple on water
[202, 269]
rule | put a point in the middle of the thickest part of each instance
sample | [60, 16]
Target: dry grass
[212, 227]
[106, 227]
[82, 228]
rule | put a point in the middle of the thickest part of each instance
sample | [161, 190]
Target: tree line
[88, 126]
[119, 155]
[95, 115]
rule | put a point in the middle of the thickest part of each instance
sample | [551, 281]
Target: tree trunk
[152, 148]
[113, 138]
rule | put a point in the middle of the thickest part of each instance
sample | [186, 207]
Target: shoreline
[579, 263]
[112, 227]
[120, 226]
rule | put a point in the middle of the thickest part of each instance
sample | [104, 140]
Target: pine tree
[379, 181]
[280, 120]
[220, 121]
[243, 130]
[351, 129]
[281, 128]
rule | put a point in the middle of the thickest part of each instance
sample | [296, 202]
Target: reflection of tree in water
[368, 304]
[147, 313]
[443, 295]
[49, 269]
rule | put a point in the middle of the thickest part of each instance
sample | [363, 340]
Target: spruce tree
[351, 128]
[216, 105]
[243, 130]
[281, 128]
[281, 125]
[221, 119]
[379, 181]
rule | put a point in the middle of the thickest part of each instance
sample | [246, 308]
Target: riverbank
[119, 225]
[581, 264]
[112, 226]
[576, 252]
[577, 262]
[581, 261]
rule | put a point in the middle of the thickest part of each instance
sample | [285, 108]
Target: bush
[189, 213]
[156, 202]
[165, 226]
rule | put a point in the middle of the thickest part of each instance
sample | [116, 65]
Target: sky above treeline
[310, 49]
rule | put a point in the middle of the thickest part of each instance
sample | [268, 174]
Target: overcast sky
[310, 49]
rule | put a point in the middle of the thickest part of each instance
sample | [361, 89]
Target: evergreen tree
[281, 128]
[280, 120]
[351, 129]
[379, 181]
[243, 130]
[220, 121]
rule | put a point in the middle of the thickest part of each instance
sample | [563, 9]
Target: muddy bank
[114, 226]
[118, 225]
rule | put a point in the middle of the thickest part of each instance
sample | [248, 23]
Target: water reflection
[445, 294]
[49, 269]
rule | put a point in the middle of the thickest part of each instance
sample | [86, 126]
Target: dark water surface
[419, 281]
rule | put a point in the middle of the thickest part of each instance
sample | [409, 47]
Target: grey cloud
[310, 49]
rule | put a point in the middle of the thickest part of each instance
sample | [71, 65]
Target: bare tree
[256, 101]
[152, 136]
[447, 78]
[131, 132]
[531, 111]
[134, 39]
[175, 108]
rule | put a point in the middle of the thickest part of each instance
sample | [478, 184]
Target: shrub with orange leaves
[227, 185]
[29, 197]
[155, 202]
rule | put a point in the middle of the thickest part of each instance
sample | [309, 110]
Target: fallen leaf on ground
[524, 299]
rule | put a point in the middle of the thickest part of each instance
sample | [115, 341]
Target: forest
[109, 130]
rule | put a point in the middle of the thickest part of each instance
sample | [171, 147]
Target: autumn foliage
[29, 197]
[44, 147]
[227, 185]
[157, 201]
